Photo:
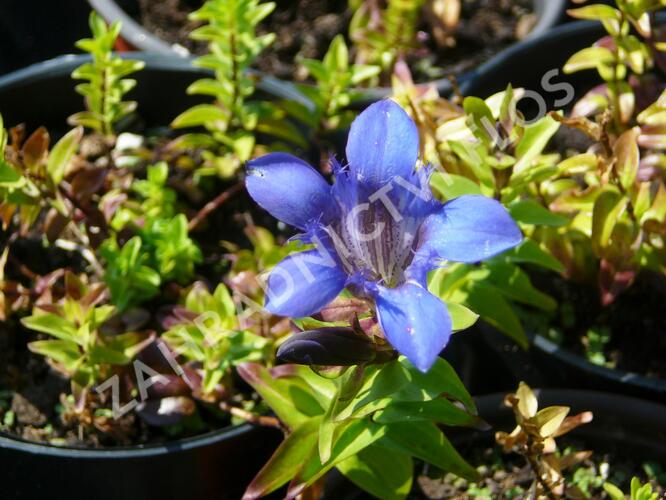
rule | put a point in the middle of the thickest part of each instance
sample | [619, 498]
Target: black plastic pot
[214, 466]
[549, 12]
[549, 365]
[218, 465]
[35, 31]
[525, 64]
[43, 94]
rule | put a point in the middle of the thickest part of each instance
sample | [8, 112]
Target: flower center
[376, 240]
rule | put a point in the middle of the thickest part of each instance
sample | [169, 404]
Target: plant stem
[532, 461]
[213, 205]
[252, 418]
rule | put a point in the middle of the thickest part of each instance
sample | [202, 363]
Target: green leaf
[290, 401]
[578, 164]
[377, 389]
[614, 492]
[531, 212]
[530, 252]
[515, 284]
[63, 351]
[425, 441]
[350, 438]
[533, 142]
[62, 154]
[287, 460]
[103, 355]
[607, 208]
[440, 410]
[200, 115]
[588, 58]
[462, 318]
[53, 325]
[380, 471]
[480, 119]
[595, 12]
[441, 380]
[491, 305]
[451, 185]
[9, 178]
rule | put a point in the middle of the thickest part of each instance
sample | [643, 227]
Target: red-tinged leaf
[169, 385]
[287, 460]
[54, 224]
[652, 137]
[35, 149]
[592, 103]
[166, 411]
[344, 309]
[87, 182]
[613, 281]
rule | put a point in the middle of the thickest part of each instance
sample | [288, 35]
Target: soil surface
[635, 321]
[306, 28]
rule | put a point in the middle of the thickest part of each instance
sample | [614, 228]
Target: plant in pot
[613, 192]
[597, 200]
[120, 337]
[439, 38]
[546, 451]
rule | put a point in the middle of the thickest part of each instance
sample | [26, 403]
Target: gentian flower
[377, 231]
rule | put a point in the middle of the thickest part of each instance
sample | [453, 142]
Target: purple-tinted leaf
[166, 411]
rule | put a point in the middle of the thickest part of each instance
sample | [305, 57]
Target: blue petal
[303, 283]
[414, 321]
[383, 143]
[470, 228]
[289, 189]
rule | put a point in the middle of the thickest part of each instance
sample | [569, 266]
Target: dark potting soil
[306, 28]
[507, 476]
[635, 321]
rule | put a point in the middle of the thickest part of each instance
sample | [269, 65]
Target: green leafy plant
[79, 349]
[234, 119]
[333, 92]
[156, 199]
[614, 193]
[622, 59]
[106, 82]
[213, 338]
[370, 422]
[127, 274]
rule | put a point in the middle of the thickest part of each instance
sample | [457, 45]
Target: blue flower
[377, 231]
